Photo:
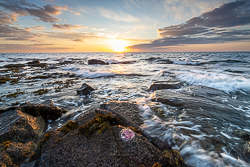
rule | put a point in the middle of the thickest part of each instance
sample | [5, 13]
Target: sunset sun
[119, 45]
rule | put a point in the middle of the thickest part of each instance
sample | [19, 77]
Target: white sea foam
[225, 82]
[186, 62]
[89, 74]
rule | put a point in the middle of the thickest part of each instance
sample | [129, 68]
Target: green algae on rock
[174, 158]
[68, 127]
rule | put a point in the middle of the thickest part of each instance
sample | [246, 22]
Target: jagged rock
[158, 85]
[46, 111]
[16, 153]
[19, 133]
[17, 126]
[96, 61]
[84, 90]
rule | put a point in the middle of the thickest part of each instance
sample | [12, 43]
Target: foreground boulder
[85, 89]
[94, 139]
[98, 143]
[20, 129]
[19, 133]
[96, 61]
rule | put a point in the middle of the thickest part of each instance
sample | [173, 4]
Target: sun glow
[119, 45]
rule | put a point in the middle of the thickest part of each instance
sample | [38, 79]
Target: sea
[127, 77]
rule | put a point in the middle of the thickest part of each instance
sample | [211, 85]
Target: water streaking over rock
[197, 103]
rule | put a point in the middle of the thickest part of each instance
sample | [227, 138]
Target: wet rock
[14, 65]
[104, 149]
[16, 153]
[96, 61]
[202, 101]
[128, 112]
[84, 90]
[158, 85]
[245, 135]
[46, 111]
[246, 149]
[17, 126]
[34, 62]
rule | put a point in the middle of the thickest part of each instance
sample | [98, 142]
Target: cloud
[226, 23]
[14, 33]
[39, 28]
[7, 18]
[78, 40]
[67, 8]
[67, 27]
[46, 13]
[31, 48]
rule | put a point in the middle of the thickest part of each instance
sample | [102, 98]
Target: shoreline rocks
[85, 89]
[21, 128]
[158, 85]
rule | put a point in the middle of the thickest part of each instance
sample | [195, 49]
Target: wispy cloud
[67, 27]
[39, 28]
[117, 16]
[215, 26]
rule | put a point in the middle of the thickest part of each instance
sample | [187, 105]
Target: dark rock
[17, 126]
[46, 111]
[158, 85]
[16, 153]
[104, 149]
[84, 90]
[96, 61]
[128, 112]
[242, 134]
[14, 65]
[246, 149]
[34, 62]
[202, 101]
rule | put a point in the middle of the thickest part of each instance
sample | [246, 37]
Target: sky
[35, 26]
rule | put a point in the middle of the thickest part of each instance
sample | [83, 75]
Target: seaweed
[157, 165]
[41, 91]
[68, 127]
[159, 112]
[136, 130]
[4, 79]
[16, 103]
[44, 139]
[98, 123]
[5, 145]
[13, 95]
[174, 158]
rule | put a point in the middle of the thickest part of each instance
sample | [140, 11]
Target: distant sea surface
[127, 77]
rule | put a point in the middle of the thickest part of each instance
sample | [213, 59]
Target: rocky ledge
[94, 139]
